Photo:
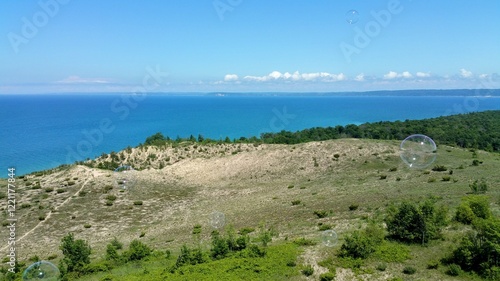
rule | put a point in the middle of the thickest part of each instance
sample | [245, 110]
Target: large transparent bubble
[217, 220]
[418, 151]
[42, 271]
[125, 177]
[352, 16]
[329, 238]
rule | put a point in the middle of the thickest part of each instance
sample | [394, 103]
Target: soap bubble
[125, 177]
[217, 220]
[418, 151]
[329, 238]
[42, 270]
[352, 16]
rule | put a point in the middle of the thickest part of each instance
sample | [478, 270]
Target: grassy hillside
[289, 192]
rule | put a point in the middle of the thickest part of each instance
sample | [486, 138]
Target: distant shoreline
[379, 93]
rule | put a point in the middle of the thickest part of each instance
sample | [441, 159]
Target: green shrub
[246, 230]
[304, 242]
[381, 267]
[321, 214]
[76, 253]
[383, 177]
[197, 229]
[94, 268]
[464, 214]
[138, 203]
[414, 223]
[290, 186]
[328, 276]
[454, 270]
[308, 270]
[409, 270]
[324, 227]
[71, 183]
[433, 264]
[87, 225]
[220, 246]
[49, 189]
[472, 207]
[189, 256]
[389, 251]
[356, 246]
[353, 207]
[111, 197]
[478, 187]
[295, 202]
[112, 253]
[393, 169]
[116, 243]
[25, 205]
[137, 250]
[479, 250]
[61, 190]
[446, 178]
[107, 188]
[439, 168]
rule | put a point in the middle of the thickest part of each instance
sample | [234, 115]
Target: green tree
[111, 253]
[473, 207]
[137, 250]
[220, 246]
[357, 245]
[416, 223]
[479, 250]
[156, 139]
[76, 253]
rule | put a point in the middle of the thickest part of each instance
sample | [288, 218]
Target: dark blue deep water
[43, 131]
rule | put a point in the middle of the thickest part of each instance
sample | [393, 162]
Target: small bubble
[352, 16]
[418, 151]
[329, 238]
[125, 177]
[217, 220]
[42, 270]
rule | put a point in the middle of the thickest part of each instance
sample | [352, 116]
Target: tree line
[479, 130]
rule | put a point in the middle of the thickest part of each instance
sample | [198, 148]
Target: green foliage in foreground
[479, 250]
[274, 265]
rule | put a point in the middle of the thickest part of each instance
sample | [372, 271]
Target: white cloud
[297, 76]
[465, 73]
[406, 74]
[391, 75]
[230, 77]
[483, 76]
[360, 77]
[423, 74]
[78, 80]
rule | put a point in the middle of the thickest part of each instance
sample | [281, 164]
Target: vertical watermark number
[11, 219]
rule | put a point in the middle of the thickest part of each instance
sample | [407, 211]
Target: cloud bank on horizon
[54, 46]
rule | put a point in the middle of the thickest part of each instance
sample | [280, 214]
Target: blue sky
[249, 46]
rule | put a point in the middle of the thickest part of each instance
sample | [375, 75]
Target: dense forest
[480, 130]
